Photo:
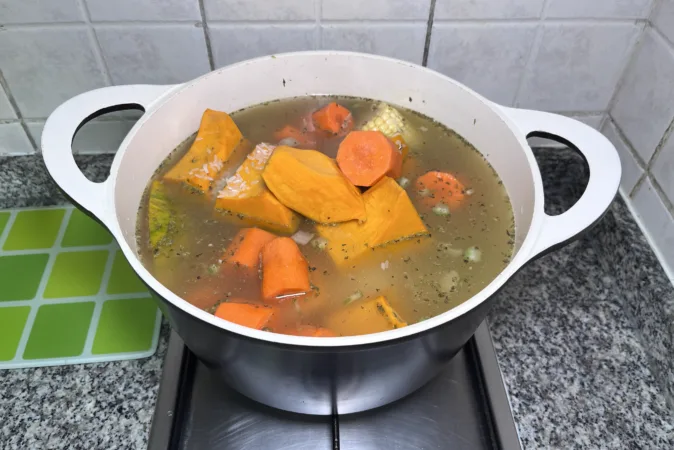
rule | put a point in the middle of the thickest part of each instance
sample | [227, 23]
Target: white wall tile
[97, 136]
[658, 221]
[260, 10]
[403, 41]
[107, 10]
[375, 9]
[163, 54]
[599, 8]
[632, 170]
[644, 105]
[488, 9]
[663, 18]
[13, 140]
[577, 67]
[45, 67]
[39, 11]
[6, 110]
[489, 58]
[663, 168]
[233, 43]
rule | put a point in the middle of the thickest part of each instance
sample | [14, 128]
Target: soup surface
[413, 241]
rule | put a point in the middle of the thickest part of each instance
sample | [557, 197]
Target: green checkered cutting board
[67, 294]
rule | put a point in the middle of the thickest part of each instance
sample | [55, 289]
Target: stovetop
[465, 407]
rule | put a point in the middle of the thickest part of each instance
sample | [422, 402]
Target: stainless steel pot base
[466, 407]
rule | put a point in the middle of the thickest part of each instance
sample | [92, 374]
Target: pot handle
[59, 132]
[605, 171]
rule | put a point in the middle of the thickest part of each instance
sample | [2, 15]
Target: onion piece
[472, 254]
[448, 282]
[320, 243]
[403, 182]
[302, 237]
[441, 209]
[353, 297]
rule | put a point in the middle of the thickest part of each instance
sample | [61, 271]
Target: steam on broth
[440, 224]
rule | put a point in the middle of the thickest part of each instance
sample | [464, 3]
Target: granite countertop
[569, 343]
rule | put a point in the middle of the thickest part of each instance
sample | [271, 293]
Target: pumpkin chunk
[216, 140]
[310, 183]
[391, 217]
[247, 195]
[364, 317]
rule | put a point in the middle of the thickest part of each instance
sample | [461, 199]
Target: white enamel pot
[343, 374]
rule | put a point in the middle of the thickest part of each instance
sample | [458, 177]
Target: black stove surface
[465, 407]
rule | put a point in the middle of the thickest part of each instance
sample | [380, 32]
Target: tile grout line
[631, 58]
[429, 32]
[95, 45]
[8, 226]
[17, 112]
[207, 36]
[98, 305]
[533, 52]
[34, 303]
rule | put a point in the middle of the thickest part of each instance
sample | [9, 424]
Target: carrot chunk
[334, 119]
[302, 139]
[217, 139]
[251, 316]
[246, 247]
[312, 331]
[440, 188]
[204, 297]
[365, 157]
[284, 269]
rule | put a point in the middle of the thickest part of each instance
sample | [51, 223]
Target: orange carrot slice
[251, 316]
[365, 157]
[303, 139]
[334, 119]
[440, 187]
[284, 270]
[312, 331]
[246, 247]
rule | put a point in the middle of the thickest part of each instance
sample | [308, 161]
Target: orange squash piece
[365, 157]
[247, 195]
[246, 247]
[248, 315]
[364, 317]
[284, 270]
[333, 119]
[310, 183]
[216, 140]
[312, 331]
[391, 217]
[440, 187]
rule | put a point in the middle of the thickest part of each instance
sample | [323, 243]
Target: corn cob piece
[391, 123]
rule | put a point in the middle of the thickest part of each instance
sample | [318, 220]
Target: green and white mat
[67, 294]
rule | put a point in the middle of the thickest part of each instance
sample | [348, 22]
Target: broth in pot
[325, 216]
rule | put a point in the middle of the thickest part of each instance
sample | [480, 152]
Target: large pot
[343, 374]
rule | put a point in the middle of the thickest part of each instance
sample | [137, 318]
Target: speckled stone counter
[583, 365]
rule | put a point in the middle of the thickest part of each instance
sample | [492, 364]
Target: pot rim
[519, 259]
